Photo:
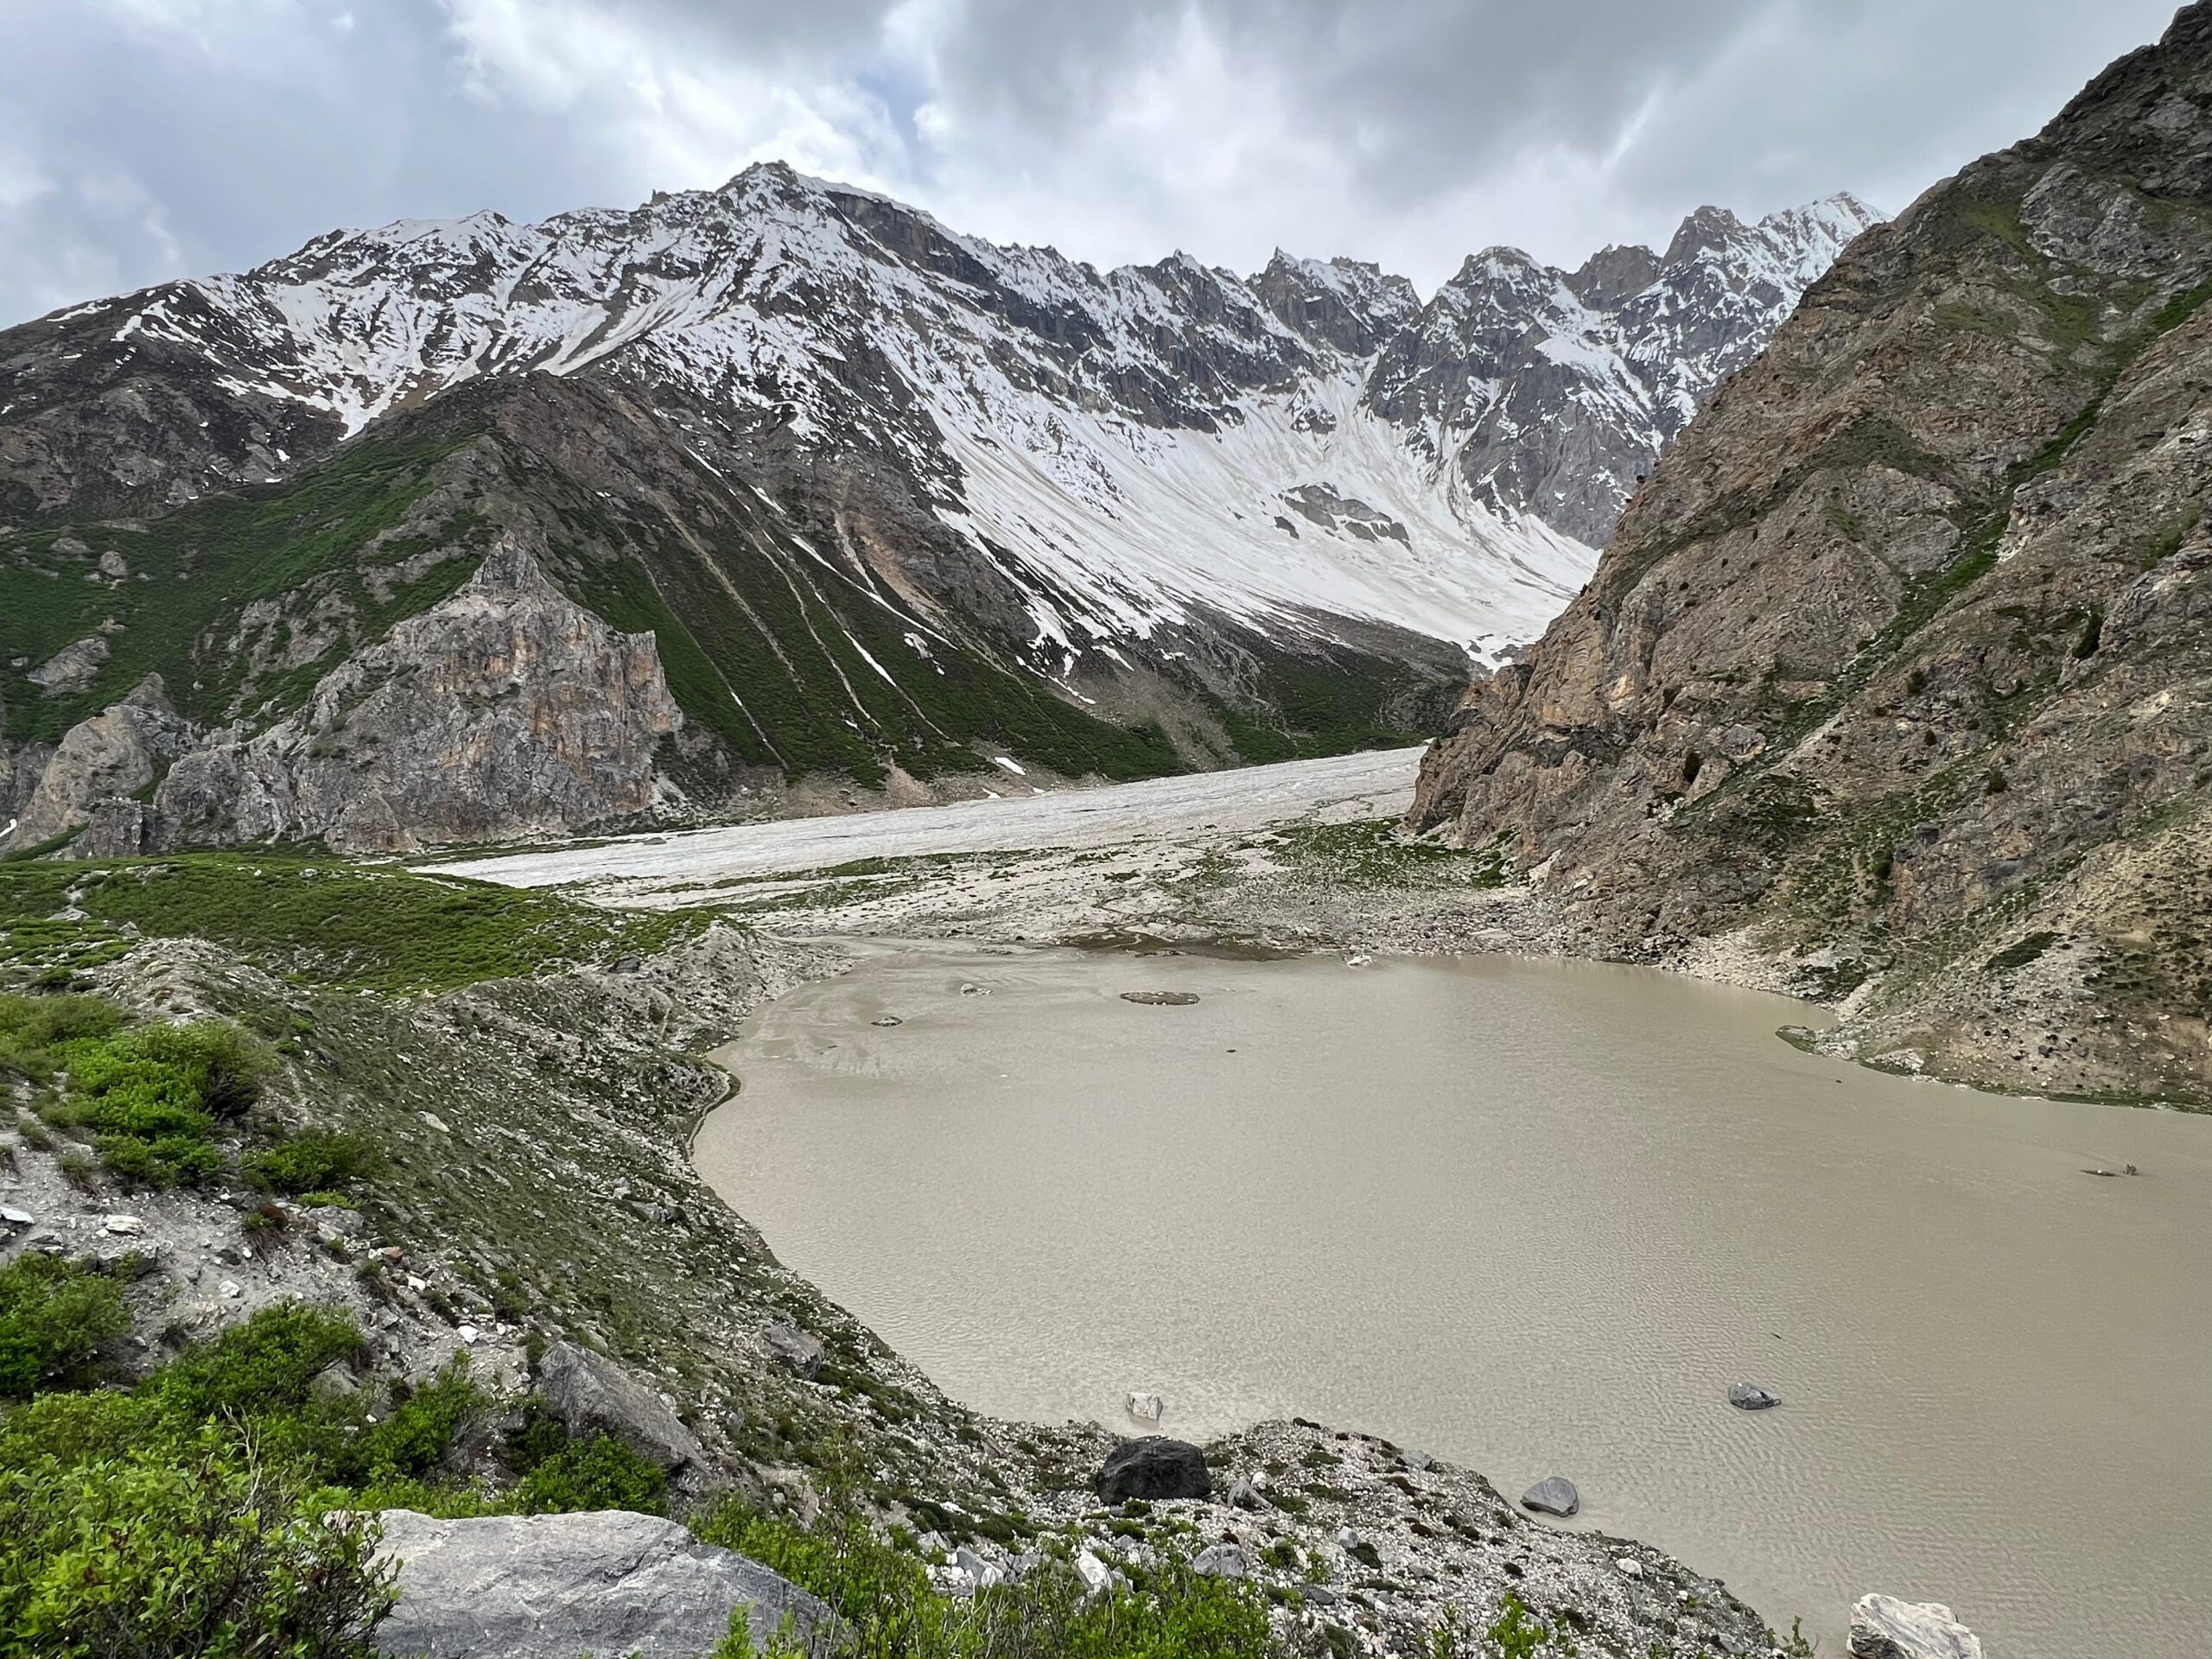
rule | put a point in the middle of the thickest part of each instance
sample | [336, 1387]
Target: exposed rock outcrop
[590, 1393]
[1897, 666]
[97, 776]
[553, 1586]
[507, 709]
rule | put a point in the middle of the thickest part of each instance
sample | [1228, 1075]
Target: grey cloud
[147, 138]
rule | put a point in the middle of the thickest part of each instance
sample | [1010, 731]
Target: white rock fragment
[229, 1290]
[1093, 1573]
[1883, 1627]
[1147, 1407]
[124, 1226]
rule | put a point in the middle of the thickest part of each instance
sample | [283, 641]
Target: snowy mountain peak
[1128, 447]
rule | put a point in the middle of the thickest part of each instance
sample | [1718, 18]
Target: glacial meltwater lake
[1535, 1217]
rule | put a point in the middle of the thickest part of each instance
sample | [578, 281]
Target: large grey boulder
[1154, 1467]
[1554, 1496]
[555, 1586]
[799, 1349]
[1883, 1627]
[590, 1393]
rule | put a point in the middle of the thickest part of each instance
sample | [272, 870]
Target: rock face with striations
[1897, 669]
[554, 1586]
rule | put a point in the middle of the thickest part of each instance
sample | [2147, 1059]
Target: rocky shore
[536, 1212]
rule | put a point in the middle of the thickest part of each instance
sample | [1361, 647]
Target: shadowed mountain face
[891, 503]
[1898, 667]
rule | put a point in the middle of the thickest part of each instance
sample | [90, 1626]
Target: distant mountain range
[903, 510]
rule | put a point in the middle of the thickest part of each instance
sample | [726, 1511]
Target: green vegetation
[316, 920]
[597, 1473]
[1373, 854]
[201, 1550]
[207, 1510]
[150, 1097]
[193, 569]
[55, 1315]
[887, 1609]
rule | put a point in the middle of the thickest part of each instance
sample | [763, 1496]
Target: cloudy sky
[141, 139]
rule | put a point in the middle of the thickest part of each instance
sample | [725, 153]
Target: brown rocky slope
[1897, 669]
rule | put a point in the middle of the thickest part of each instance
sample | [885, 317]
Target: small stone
[1630, 1567]
[887, 1021]
[124, 1226]
[229, 1290]
[1883, 1627]
[983, 1572]
[973, 990]
[1147, 1407]
[1554, 1496]
[418, 1285]
[1222, 1561]
[15, 1218]
[1244, 1495]
[1093, 1573]
[1420, 1461]
[1748, 1396]
[468, 1334]
[1161, 999]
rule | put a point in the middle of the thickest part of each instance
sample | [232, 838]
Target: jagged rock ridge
[1897, 670]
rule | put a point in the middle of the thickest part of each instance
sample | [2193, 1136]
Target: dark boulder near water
[1748, 1396]
[1153, 1467]
[1554, 1496]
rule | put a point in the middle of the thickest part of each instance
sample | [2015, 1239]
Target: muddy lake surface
[1534, 1217]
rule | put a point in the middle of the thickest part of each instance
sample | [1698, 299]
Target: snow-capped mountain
[894, 501]
[1312, 441]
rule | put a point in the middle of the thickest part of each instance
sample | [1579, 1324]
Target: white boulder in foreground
[1882, 1627]
[553, 1586]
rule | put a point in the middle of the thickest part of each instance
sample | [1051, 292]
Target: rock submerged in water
[550, 1586]
[1555, 1496]
[1161, 999]
[1883, 1627]
[1153, 1467]
[1748, 1396]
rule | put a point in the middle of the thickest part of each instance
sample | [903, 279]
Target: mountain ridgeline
[754, 500]
[1897, 671]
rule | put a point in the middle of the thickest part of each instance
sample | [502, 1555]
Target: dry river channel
[1535, 1217]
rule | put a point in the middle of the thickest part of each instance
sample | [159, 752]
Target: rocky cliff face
[506, 709]
[1896, 667]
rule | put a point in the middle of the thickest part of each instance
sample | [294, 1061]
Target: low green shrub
[312, 1163]
[597, 1473]
[53, 1317]
[213, 1553]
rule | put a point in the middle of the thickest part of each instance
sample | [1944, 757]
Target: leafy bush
[152, 1096]
[884, 1597]
[213, 1554]
[320, 1164]
[598, 1474]
[258, 1369]
[53, 1317]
